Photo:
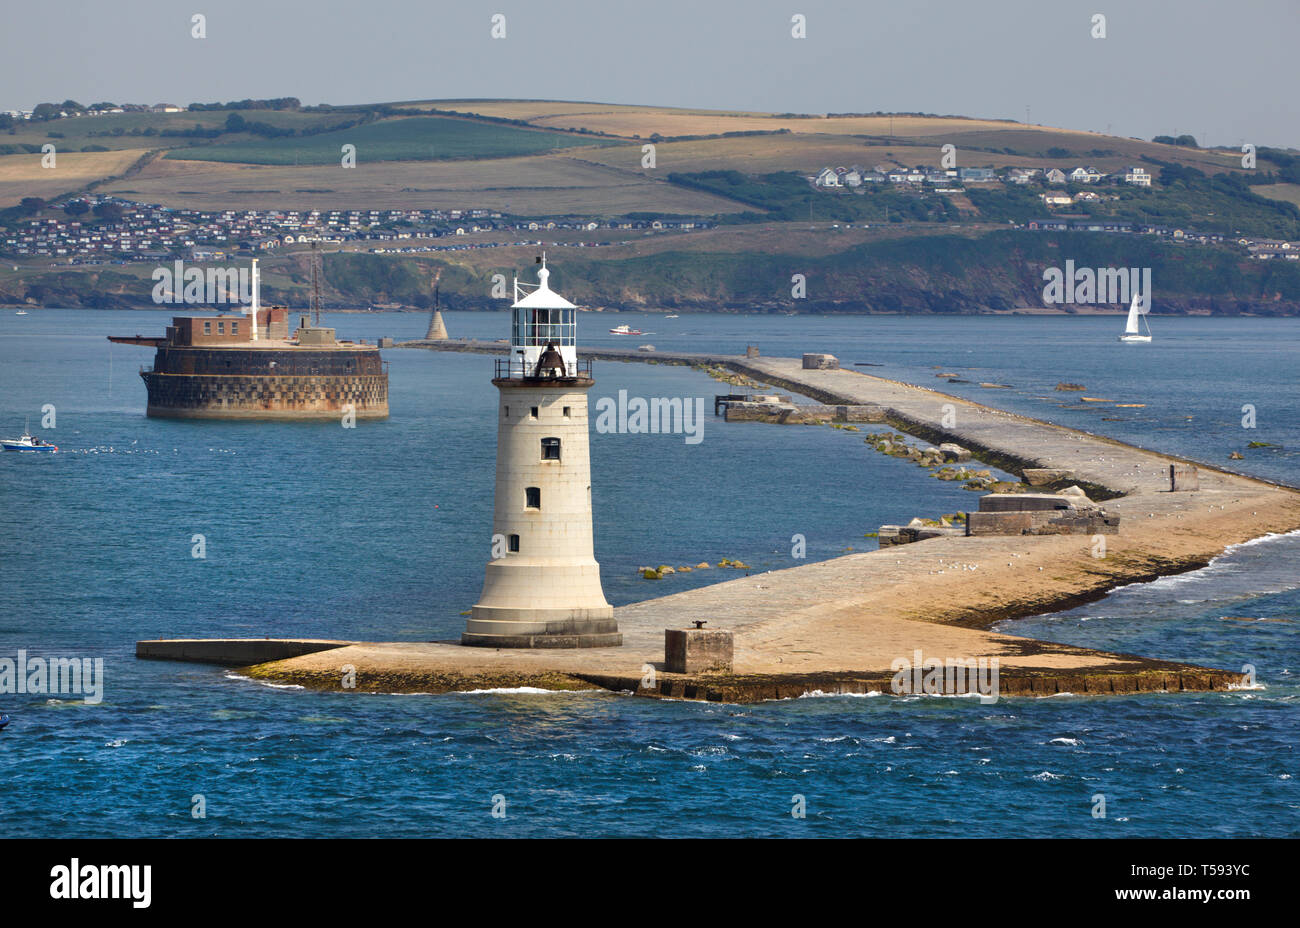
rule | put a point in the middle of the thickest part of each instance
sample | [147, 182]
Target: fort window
[514, 544]
[221, 328]
[207, 328]
[550, 449]
[532, 412]
[234, 328]
[533, 497]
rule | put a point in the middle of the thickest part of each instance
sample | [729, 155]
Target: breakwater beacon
[542, 587]
[249, 366]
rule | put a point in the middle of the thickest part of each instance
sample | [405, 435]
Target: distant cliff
[999, 271]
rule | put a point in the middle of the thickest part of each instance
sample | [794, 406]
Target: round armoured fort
[267, 383]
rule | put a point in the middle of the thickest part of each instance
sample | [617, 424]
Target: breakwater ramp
[841, 625]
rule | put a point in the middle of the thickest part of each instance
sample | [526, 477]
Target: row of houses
[106, 111]
[1261, 249]
[149, 231]
[857, 176]
[1265, 249]
[1063, 200]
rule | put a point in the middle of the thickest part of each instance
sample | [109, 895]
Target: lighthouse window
[550, 449]
[533, 497]
[532, 413]
[566, 412]
[514, 544]
[539, 326]
[505, 411]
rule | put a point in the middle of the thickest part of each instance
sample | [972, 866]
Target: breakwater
[842, 623]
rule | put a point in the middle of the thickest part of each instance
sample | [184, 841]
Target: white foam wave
[523, 691]
[274, 686]
[821, 694]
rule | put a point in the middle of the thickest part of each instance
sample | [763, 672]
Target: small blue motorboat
[28, 443]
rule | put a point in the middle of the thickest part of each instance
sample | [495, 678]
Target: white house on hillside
[1136, 176]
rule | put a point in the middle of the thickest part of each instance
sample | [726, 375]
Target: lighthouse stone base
[567, 628]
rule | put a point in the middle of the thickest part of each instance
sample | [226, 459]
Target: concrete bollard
[820, 362]
[1183, 477]
[698, 650]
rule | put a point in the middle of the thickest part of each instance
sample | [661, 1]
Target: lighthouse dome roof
[544, 297]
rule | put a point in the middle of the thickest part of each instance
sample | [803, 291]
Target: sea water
[381, 532]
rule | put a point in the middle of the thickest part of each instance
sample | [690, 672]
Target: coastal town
[132, 231]
[109, 230]
[920, 178]
[950, 180]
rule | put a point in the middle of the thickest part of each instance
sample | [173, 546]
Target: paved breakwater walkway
[838, 625]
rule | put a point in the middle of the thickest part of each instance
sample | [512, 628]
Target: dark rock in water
[1070, 386]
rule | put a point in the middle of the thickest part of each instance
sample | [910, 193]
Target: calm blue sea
[380, 533]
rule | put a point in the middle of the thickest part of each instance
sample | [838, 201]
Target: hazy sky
[1223, 71]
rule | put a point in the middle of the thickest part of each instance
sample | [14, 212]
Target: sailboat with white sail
[1137, 311]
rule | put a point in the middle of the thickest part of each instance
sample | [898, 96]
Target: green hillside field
[416, 138]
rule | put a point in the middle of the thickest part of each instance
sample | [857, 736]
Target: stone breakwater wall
[1157, 677]
[1001, 457]
[802, 414]
[266, 384]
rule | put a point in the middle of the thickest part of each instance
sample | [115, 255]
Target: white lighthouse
[542, 587]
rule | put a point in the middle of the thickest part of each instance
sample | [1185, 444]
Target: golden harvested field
[561, 182]
[644, 121]
[513, 109]
[762, 154]
[587, 180]
[784, 153]
[808, 154]
[22, 175]
[670, 123]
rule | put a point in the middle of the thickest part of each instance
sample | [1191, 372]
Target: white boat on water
[1136, 311]
[21, 312]
[26, 443]
[625, 330]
